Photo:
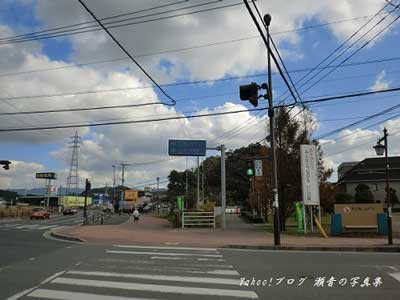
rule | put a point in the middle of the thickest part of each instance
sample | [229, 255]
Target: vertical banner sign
[309, 174]
[258, 168]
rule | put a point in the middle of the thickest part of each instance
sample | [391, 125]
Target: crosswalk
[136, 273]
[27, 225]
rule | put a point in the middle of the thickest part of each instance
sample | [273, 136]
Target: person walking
[136, 216]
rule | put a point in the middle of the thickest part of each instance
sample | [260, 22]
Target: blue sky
[300, 49]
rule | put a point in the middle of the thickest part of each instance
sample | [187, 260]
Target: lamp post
[380, 150]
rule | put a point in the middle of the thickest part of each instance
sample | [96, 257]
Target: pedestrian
[136, 216]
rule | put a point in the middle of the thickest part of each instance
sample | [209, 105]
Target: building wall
[377, 189]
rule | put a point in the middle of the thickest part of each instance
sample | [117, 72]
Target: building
[371, 172]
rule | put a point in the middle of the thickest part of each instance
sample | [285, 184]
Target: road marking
[395, 275]
[166, 248]
[32, 258]
[64, 295]
[23, 293]
[210, 259]
[125, 261]
[155, 287]
[162, 253]
[160, 277]
[46, 227]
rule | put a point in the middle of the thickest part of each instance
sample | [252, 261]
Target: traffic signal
[88, 185]
[6, 164]
[249, 92]
[250, 168]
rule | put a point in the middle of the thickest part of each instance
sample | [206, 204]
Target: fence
[198, 219]
[96, 218]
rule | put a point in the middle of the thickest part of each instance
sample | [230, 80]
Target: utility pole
[223, 185]
[123, 165]
[87, 188]
[198, 181]
[271, 115]
[187, 184]
[113, 187]
[158, 188]
[202, 182]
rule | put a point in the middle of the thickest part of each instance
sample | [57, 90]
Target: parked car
[69, 211]
[232, 210]
[40, 213]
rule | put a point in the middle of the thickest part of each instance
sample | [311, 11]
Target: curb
[392, 249]
[66, 237]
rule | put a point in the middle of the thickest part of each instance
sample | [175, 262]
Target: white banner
[309, 174]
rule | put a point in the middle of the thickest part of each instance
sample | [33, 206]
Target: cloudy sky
[200, 51]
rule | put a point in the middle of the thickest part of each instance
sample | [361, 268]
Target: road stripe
[166, 248]
[162, 253]
[160, 277]
[395, 275]
[65, 295]
[127, 261]
[156, 288]
[23, 293]
[46, 227]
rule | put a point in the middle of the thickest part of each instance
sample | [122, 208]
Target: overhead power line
[368, 118]
[277, 52]
[332, 53]
[355, 52]
[269, 48]
[87, 28]
[366, 93]
[39, 128]
[54, 29]
[129, 55]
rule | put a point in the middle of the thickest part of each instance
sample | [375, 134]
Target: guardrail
[206, 218]
[95, 218]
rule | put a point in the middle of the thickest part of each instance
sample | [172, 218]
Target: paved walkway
[157, 231]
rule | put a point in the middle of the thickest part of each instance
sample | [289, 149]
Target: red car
[40, 213]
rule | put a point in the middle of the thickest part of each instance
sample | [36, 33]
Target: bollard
[102, 219]
[93, 218]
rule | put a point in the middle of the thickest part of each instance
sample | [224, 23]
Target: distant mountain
[39, 191]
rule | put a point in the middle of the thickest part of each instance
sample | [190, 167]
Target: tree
[363, 194]
[291, 132]
[343, 198]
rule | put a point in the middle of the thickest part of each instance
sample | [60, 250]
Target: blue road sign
[187, 147]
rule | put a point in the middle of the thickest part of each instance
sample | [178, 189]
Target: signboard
[131, 195]
[187, 147]
[180, 203]
[75, 201]
[53, 189]
[258, 167]
[309, 174]
[359, 214]
[100, 199]
[46, 175]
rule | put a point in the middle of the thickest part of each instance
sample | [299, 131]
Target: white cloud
[380, 82]
[21, 175]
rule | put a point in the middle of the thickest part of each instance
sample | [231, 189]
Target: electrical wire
[332, 53]
[173, 102]
[268, 47]
[39, 128]
[277, 52]
[366, 93]
[83, 30]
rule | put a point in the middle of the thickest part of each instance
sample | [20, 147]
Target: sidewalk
[155, 231]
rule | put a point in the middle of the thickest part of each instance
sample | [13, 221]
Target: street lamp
[380, 150]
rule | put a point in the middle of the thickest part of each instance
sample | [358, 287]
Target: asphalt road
[118, 272]
[21, 239]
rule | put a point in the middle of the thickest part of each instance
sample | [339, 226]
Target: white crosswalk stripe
[117, 276]
[41, 225]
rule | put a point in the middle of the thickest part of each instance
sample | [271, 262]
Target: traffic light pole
[271, 115]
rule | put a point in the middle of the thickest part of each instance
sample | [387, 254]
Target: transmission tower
[73, 177]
